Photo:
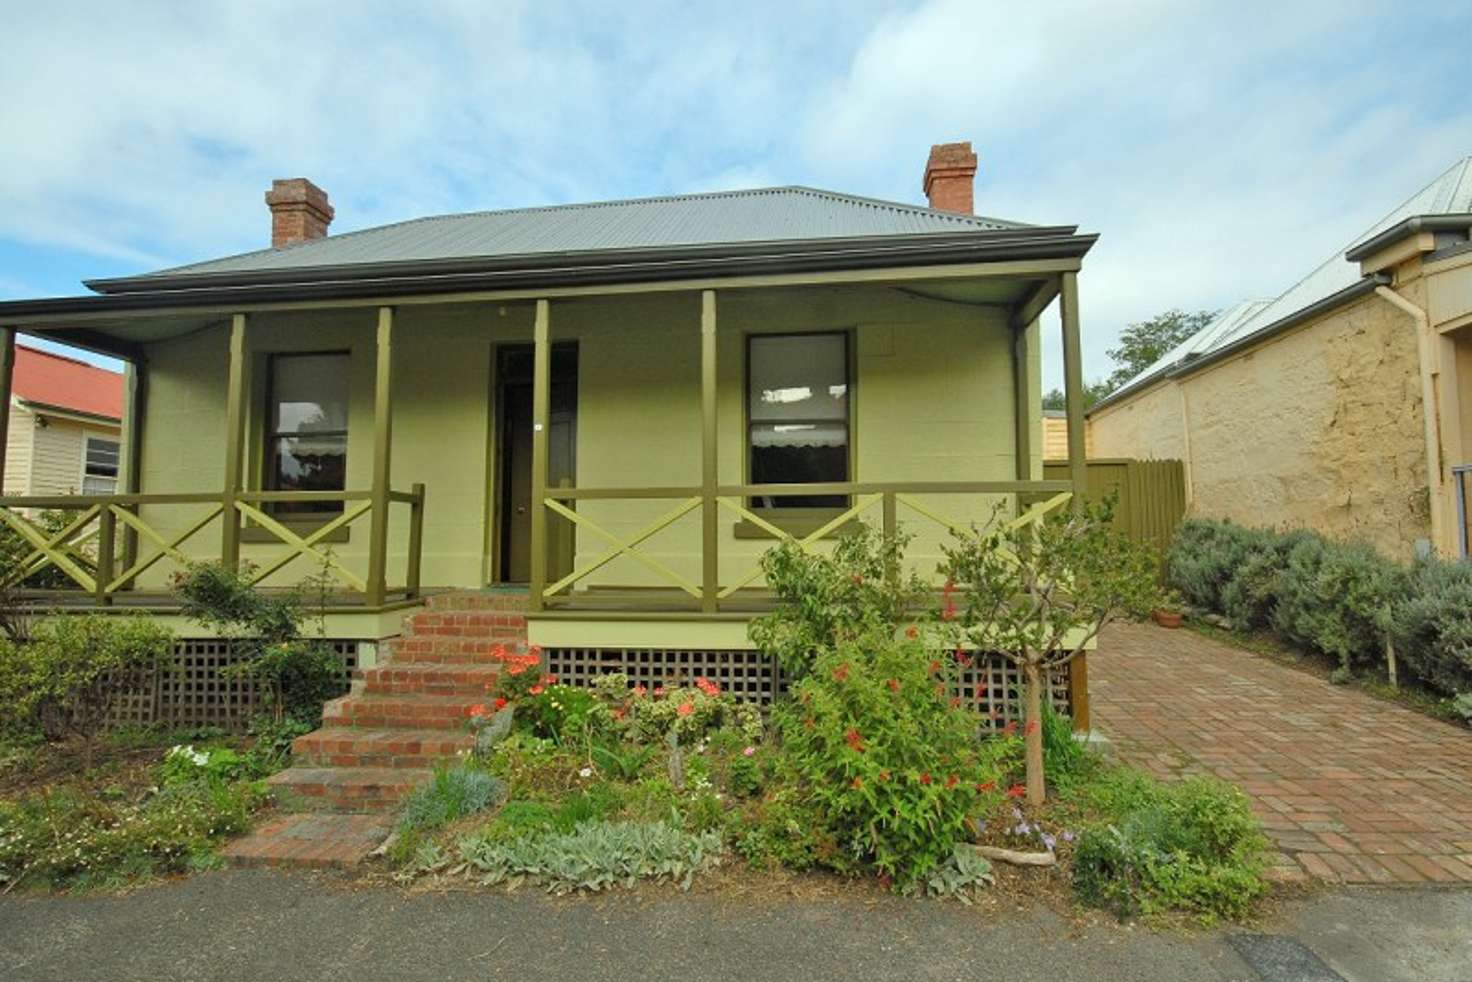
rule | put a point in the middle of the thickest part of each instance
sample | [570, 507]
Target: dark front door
[514, 375]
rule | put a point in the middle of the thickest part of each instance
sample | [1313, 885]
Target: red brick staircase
[400, 718]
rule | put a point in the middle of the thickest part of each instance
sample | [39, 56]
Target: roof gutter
[1190, 366]
[412, 280]
[1053, 241]
[1411, 226]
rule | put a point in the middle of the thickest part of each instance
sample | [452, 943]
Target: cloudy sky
[1221, 150]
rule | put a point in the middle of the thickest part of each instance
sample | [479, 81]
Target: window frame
[87, 440]
[270, 438]
[799, 517]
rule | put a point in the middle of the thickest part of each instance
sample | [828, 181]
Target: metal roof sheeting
[1449, 194]
[763, 215]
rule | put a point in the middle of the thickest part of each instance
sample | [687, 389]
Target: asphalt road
[272, 925]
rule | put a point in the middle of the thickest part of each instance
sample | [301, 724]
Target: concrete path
[1352, 789]
[267, 924]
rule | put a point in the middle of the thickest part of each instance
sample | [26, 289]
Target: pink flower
[749, 751]
[639, 689]
[535, 690]
[684, 709]
[478, 709]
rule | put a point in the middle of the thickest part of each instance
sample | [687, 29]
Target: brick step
[409, 711]
[430, 678]
[350, 788]
[468, 624]
[453, 650]
[353, 746]
[312, 840]
[478, 600]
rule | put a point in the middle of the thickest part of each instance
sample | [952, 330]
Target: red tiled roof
[66, 383]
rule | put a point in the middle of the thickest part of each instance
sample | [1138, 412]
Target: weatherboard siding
[933, 401]
[19, 439]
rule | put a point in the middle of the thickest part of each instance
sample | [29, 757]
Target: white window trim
[88, 437]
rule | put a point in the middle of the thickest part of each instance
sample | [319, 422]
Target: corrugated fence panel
[1152, 494]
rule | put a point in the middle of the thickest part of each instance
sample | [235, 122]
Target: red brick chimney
[949, 174]
[299, 211]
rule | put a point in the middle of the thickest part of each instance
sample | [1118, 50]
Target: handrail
[96, 570]
[863, 496]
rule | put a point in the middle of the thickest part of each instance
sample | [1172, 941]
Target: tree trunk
[1037, 790]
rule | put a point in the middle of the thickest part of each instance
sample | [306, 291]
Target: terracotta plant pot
[1167, 618]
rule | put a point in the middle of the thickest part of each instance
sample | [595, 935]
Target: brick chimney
[299, 211]
[949, 174]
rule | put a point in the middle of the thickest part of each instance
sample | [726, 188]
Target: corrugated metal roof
[1449, 194]
[763, 215]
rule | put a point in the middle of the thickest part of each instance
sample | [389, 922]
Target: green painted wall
[932, 401]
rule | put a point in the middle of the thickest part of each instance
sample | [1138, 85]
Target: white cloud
[1221, 151]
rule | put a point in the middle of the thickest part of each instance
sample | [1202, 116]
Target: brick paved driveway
[1351, 788]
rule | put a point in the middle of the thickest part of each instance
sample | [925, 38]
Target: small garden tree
[1039, 594]
[299, 672]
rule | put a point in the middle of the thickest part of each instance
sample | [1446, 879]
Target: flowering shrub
[69, 838]
[644, 715]
[183, 765]
[890, 763]
[823, 601]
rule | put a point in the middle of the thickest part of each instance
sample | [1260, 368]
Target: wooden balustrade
[85, 550]
[889, 497]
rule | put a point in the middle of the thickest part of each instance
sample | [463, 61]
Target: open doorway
[513, 495]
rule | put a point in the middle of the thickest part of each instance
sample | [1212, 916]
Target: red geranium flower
[535, 690]
[500, 703]
[639, 689]
[478, 709]
[1016, 791]
[684, 709]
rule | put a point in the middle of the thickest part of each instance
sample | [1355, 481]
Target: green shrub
[822, 600]
[888, 762]
[455, 792]
[1192, 846]
[787, 832]
[1063, 756]
[298, 672]
[594, 856]
[185, 766]
[1432, 625]
[1204, 556]
[1250, 594]
[71, 838]
[1335, 597]
[67, 677]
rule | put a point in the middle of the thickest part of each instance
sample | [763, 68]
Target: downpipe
[1428, 406]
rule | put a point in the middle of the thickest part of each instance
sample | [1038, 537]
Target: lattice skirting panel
[992, 682]
[193, 692]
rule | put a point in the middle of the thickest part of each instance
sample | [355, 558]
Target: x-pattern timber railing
[864, 497]
[85, 550]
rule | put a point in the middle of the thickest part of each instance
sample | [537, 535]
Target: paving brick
[1349, 787]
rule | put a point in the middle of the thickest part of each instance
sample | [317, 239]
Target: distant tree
[1142, 343]
[1093, 392]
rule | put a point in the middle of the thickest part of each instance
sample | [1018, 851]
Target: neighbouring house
[580, 426]
[64, 431]
[1055, 436]
[1344, 404]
